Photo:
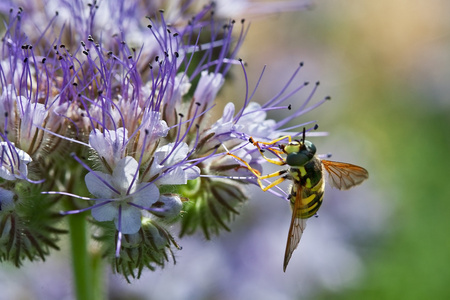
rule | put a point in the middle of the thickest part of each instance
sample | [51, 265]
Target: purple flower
[120, 196]
[129, 99]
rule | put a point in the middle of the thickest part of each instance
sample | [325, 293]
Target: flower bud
[167, 207]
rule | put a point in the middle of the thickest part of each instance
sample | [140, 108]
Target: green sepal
[32, 227]
[213, 202]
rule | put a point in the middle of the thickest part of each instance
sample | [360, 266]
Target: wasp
[306, 171]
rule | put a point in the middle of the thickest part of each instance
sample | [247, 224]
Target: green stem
[83, 266]
[99, 276]
[88, 277]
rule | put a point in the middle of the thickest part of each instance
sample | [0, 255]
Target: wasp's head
[298, 152]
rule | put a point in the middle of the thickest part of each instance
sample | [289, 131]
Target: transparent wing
[296, 229]
[343, 175]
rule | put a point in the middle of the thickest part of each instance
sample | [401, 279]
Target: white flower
[109, 145]
[208, 87]
[177, 89]
[31, 115]
[252, 122]
[153, 123]
[225, 124]
[121, 188]
[170, 159]
[13, 162]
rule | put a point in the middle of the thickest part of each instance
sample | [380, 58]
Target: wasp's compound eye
[310, 148]
[297, 159]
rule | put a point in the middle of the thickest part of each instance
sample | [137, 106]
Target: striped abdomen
[308, 188]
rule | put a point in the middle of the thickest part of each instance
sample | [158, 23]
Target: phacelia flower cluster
[106, 111]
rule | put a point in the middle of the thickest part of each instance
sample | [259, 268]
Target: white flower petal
[124, 172]
[182, 83]
[192, 173]
[95, 183]
[31, 115]
[107, 212]
[99, 142]
[155, 169]
[208, 86]
[224, 124]
[161, 153]
[253, 114]
[147, 195]
[153, 124]
[6, 174]
[130, 221]
[109, 145]
[23, 156]
[14, 162]
[261, 129]
[179, 154]
[175, 176]
[175, 157]
[228, 112]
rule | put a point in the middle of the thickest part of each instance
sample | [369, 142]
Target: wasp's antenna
[304, 133]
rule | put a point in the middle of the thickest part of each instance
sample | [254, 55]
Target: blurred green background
[386, 65]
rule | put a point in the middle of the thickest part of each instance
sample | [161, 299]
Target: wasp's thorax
[298, 152]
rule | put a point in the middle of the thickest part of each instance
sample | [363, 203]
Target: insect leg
[280, 161]
[251, 140]
[258, 174]
[254, 171]
[275, 183]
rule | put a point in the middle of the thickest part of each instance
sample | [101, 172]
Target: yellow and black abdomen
[308, 188]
